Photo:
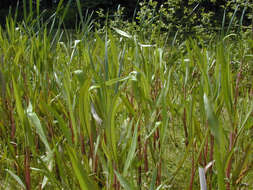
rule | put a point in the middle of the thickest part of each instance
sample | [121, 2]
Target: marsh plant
[85, 109]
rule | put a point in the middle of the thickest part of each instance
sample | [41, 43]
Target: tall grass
[91, 111]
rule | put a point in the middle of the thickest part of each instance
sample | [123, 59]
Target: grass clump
[108, 109]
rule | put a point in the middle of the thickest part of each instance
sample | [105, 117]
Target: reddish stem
[13, 127]
[116, 184]
[211, 159]
[72, 131]
[192, 171]
[159, 173]
[91, 148]
[184, 122]
[140, 156]
[145, 156]
[51, 131]
[238, 78]
[27, 169]
[205, 152]
[82, 144]
[228, 170]
[13, 130]
[185, 128]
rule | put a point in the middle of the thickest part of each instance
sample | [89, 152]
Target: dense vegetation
[163, 100]
[181, 13]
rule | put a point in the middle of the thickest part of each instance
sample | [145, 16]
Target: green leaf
[62, 123]
[122, 33]
[219, 144]
[85, 182]
[84, 107]
[34, 120]
[69, 95]
[19, 106]
[131, 152]
[2, 85]
[18, 180]
[80, 76]
[79, 8]
[153, 182]
[123, 182]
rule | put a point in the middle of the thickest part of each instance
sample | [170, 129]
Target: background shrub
[181, 17]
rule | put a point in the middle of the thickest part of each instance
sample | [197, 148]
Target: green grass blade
[2, 85]
[59, 6]
[69, 99]
[219, 144]
[62, 123]
[64, 13]
[123, 182]
[122, 33]
[232, 19]
[106, 62]
[79, 8]
[226, 79]
[223, 23]
[131, 152]
[17, 179]
[38, 7]
[25, 9]
[34, 120]
[19, 106]
[85, 182]
[153, 181]
[84, 107]
[31, 8]
[247, 117]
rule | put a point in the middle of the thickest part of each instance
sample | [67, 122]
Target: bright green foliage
[184, 18]
[118, 109]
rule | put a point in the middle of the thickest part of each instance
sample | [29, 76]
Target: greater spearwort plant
[115, 109]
